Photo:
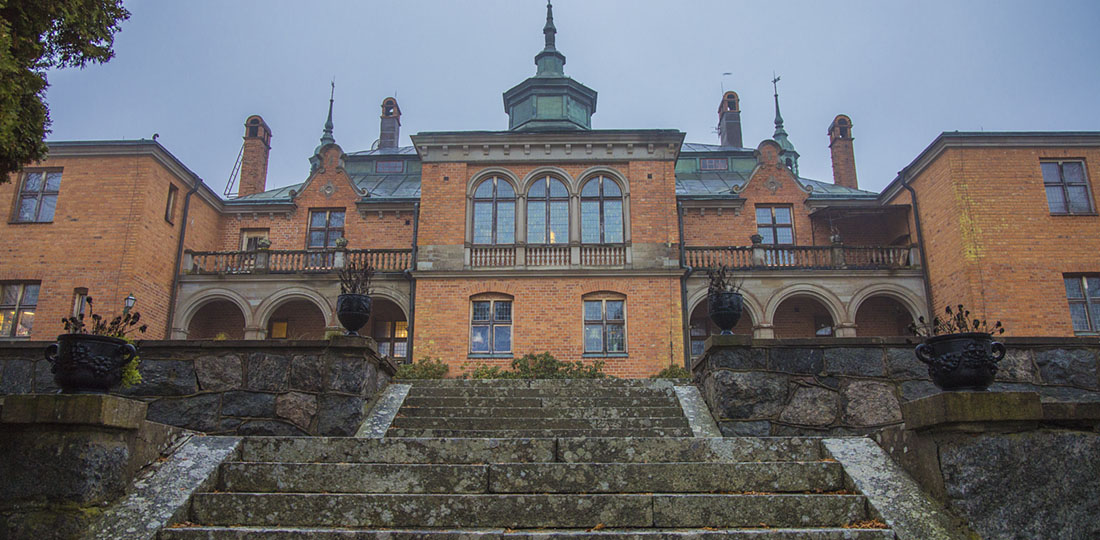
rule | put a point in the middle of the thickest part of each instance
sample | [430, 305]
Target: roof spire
[788, 153]
[549, 30]
[327, 137]
[550, 62]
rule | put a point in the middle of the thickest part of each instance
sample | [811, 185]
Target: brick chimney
[257, 146]
[390, 132]
[729, 120]
[844, 157]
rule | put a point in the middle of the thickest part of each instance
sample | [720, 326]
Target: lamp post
[128, 303]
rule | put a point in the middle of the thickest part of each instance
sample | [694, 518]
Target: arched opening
[389, 328]
[802, 316]
[882, 316]
[218, 319]
[700, 326]
[296, 319]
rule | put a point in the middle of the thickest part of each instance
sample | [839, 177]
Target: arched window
[494, 212]
[601, 212]
[547, 212]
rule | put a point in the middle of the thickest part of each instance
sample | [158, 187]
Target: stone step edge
[191, 531]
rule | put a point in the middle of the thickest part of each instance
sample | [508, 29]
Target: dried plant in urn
[353, 304]
[959, 349]
[724, 299]
[95, 354]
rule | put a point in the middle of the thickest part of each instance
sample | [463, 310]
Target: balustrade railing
[547, 255]
[603, 255]
[294, 261]
[492, 256]
[790, 257]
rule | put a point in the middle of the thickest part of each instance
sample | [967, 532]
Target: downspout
[412, 284]
[920, 242]
[685, 317]
[176, 266]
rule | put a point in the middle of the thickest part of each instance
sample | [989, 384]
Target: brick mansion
[592, 244]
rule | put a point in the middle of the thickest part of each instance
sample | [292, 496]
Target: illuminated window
[491, 327]
[277, 330]
[605, 325]
[38, 196]
[548, 212]
[601, 211]
[494, 212]
[17, 307]
[392, 338]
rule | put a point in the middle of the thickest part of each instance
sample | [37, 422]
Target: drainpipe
[920, 242]
[176, 266]
[685, 317]
[412, 284]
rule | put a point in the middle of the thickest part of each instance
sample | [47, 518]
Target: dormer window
[713, 164]
[389, 167]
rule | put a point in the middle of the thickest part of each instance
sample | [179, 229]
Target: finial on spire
[327, 137]
[549, 31]
[778, 117]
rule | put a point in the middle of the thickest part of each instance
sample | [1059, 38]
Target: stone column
[255, 332]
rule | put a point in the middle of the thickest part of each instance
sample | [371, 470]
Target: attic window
[713, 164]
[253, 131]
[389, 166]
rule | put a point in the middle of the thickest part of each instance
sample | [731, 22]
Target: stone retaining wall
[236, 387]
[841, 386]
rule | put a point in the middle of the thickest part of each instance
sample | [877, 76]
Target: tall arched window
[601, 211]
[494, 212]
[548, 212]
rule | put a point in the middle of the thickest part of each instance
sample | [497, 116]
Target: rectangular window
[1067, 187]
[713, 164]
[80, 300]
[391, 167]
[250, 238]
[170, 206]
[775, 225]
[491, 327]
[392, 338]
[605, 326]
[278, 330]
[1083, 294]
[38, 196]
[325, 227]
[17, 308]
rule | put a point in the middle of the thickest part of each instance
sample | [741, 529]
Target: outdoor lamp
[129, 302]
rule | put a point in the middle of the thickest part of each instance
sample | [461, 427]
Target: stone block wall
[843, 386]
[236, 387]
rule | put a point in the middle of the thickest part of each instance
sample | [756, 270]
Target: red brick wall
[217, 317]
[882, 316]
[992, 243]
[547, 316]
[795, 317]
[108, 235]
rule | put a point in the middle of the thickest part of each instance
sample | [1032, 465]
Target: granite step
[541, 383]
[497, 450]
[506, 423]
[773, 477]
[546, 402]
[300, 533]
[543, 412]
[528, 511]
[538, 433]
[542, 392]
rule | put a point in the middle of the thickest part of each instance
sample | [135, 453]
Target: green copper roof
[550, 101]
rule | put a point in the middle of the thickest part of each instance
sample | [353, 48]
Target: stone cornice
[510, 146]
[535, 273]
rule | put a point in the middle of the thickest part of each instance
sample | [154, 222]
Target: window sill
[490, 355]
[605, 355]
[1075, 214]
[29, 222]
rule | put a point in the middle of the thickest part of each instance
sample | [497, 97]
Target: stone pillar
[255, 332]
[263, 261]
[763, 331]
[844, 330]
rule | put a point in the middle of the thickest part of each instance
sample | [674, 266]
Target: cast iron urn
[966, 361]
[88, 364]
[725, 310]
[353, 310]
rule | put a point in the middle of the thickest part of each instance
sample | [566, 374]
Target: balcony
[548, 256]
[833, 257]
[293, 261]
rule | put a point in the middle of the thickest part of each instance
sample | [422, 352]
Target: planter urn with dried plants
[354, 303]
[959, 350]
[94, 357]
[724, 300]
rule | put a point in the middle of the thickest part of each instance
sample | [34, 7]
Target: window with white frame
[490, 326]
[494, 212]
[601, 211]
[604, 324]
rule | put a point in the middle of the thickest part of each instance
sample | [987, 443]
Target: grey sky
[904, 71]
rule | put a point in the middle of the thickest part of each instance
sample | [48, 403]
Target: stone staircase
[532, 459]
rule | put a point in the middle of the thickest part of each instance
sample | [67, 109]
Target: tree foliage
[37, 35]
